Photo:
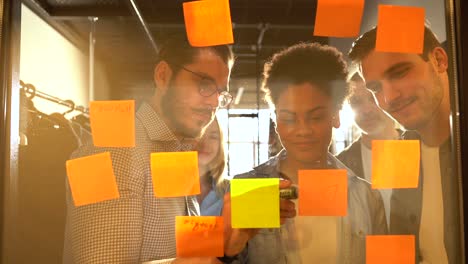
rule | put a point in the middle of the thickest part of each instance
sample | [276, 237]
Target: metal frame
[9, 71]
[3, 107]
[453, 48]
[136, 11]
[460, 13]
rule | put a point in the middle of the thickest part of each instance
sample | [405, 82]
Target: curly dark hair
[313, 63]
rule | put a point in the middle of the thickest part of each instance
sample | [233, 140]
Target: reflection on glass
[391, 96]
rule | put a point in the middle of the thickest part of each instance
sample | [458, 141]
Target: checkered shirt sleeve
[138, 226]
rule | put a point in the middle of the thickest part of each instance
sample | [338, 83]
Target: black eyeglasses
[207, 87]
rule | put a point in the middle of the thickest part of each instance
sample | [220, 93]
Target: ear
[162, 76]
[336, 119]
[440, 59]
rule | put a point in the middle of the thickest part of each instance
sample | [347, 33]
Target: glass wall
[234, 132]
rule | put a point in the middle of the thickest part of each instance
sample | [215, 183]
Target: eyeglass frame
[221, 92]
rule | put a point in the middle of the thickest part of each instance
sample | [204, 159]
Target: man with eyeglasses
[190, 84]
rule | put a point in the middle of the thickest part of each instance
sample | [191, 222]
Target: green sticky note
[255, 203]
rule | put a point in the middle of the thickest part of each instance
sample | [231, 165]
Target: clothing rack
[31, 92]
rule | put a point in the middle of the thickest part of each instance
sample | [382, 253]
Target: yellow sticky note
[175, 173]
[255, 203]
[338, 18]
[113, 123]
[400, 29]
[208, 22]
[92, 179]
[391, 249]
[395, 164]
[199, 236]
[323, 192]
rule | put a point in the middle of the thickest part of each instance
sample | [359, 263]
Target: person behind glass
[415, 90]
[305, 85]
[211, 163]
[374, 125]
[190, 84]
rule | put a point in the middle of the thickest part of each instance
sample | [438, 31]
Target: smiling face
[407, 87]
[368, 116]
[305, 116]
[209, 145]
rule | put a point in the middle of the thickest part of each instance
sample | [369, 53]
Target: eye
[287, 120]
[317, 117]
[207, 87]
[399, 73]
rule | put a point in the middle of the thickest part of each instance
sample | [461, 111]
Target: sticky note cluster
[92, 179]
[208, 22]
[255, 203]
[395, 164]
[175, 173]
[199, 236]
[323, 192]
[113, 123]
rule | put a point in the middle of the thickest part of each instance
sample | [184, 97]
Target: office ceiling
[261, 27]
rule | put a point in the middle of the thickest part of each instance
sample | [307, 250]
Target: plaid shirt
[136, 227]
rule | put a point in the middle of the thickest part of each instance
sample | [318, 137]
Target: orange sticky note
[175, 173]
[323, 192]
[208, 23]
[338, 18]
[199, 236]
[395, 164]
[391, 249]
[92, 179]
[400, 29]
[113, 123]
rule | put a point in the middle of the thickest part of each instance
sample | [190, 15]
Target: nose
[303, 128]
[390, 92]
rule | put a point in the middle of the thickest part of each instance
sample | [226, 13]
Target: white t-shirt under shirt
[431, 229]
[386, 194]
[311, 239]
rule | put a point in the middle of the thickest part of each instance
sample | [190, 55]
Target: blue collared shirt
[212, 205]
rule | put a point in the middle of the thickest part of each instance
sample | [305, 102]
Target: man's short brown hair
[177, 51]
[366, 43]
